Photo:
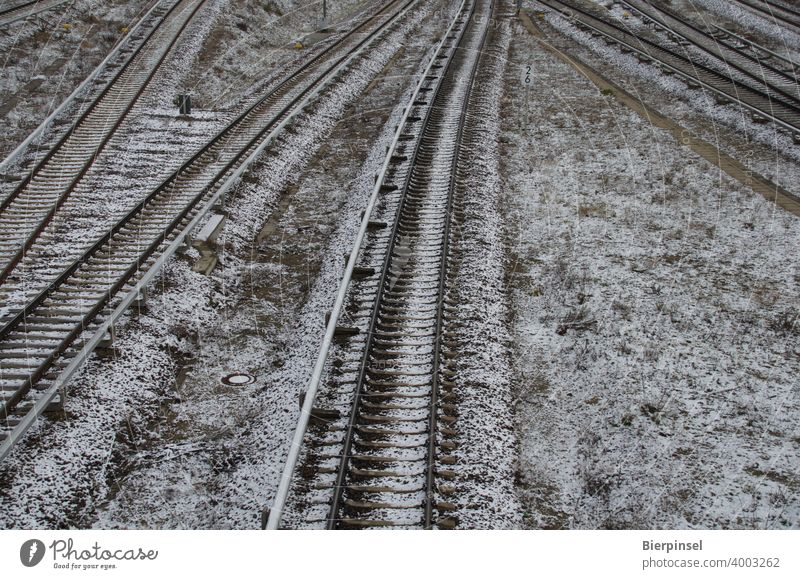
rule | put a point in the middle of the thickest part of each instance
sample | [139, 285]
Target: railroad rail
[28, 210]
[26, 9]
[127, 43]
[725, 87]
[49, 338]
[762, 53]
[775, 81]
[776, 12]
[377, 454]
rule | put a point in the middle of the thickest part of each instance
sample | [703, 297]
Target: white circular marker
[238, 379]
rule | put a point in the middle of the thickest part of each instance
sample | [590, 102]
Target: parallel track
[48, 331]
[774, 80]
[760, 53]
[26, 9]
[27, 211]
[775, 12]
[384, 461]
[783, 114]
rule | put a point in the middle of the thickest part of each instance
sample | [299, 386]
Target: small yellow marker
[124, 30]
[67, 26]
[298, 45]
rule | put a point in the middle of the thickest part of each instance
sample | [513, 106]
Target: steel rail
[169, 181]
[662, 16]
[650, 50]
[443, 279]
[14, 155]
[753, 46]
[26, 9]
[279, 502]
[33, 235]
[341, 474]
[301, 102]
[768, 8]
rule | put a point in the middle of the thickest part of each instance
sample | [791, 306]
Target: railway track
[773, 79]
[776, 12]
[758, 52]
[26, 212]
[53, 330]
[21, 11]
[726, 88]
[379, 450]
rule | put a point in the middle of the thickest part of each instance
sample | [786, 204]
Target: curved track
[27, 211]
[50, 329]
[771, 78]
[760, 53]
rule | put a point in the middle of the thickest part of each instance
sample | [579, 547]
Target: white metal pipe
[282, 494]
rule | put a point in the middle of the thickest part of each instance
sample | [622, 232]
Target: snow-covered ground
[656, 306]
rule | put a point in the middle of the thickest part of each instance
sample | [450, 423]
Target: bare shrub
[579, 320]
